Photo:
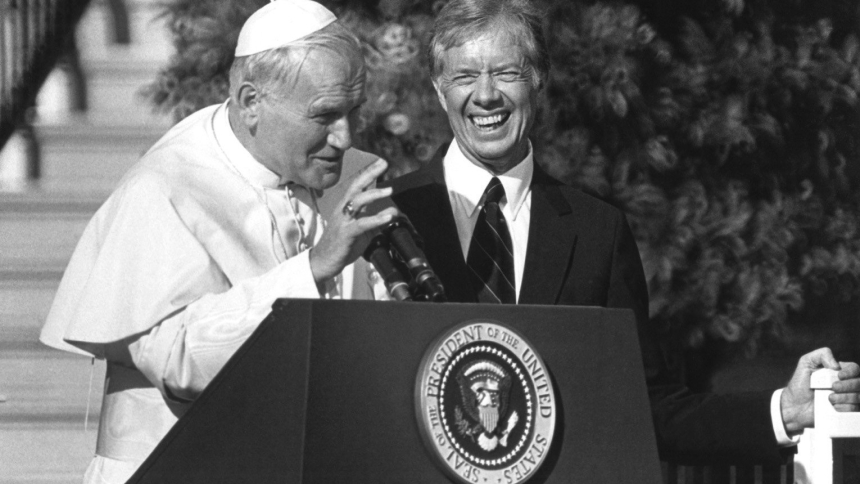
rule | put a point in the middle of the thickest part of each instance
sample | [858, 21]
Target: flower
[424, 152]
[397, 123]
[396, 44]
[734, 7]
[825, 28]
[385, 102]
[618, 102]
[645, 34]
[661, 156]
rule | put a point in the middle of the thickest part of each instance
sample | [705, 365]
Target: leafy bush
[729, 132]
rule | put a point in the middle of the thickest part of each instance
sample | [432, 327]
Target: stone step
[114, 94]
[42, 385]
[40, 229]
[46, 395]
[24, 306]
[81, 156]
[114, 73]
[49, 400]
[90, 151]
[150, 38]
[45, 453]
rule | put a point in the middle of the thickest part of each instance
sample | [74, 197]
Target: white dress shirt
[466, 184]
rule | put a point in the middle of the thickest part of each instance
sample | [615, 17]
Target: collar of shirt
[241, 159]
[466, 184]
[468, 181]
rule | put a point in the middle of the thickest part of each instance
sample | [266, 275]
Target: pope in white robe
[187, 256]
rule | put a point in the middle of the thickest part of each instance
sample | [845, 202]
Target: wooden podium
[324, 392]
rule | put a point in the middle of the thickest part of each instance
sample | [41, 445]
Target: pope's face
[302, 134]
[486, 87]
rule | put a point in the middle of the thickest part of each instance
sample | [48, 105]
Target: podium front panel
[323, 392]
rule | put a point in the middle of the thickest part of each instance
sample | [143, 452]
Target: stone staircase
[49, 400]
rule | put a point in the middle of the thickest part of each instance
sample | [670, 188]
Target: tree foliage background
[727, 130]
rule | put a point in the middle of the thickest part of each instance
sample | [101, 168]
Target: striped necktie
[491, 256]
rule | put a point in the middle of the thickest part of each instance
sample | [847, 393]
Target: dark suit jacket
[581, 252]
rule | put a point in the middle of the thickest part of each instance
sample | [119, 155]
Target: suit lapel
[429, 209]
[552, 234]
[552, 240]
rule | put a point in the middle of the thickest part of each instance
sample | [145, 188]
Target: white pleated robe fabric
[185, 238]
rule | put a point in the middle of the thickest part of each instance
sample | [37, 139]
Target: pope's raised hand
[351, 224]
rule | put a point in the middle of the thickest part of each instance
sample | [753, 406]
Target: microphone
[402, 264]
[402, 236]
[378, 253]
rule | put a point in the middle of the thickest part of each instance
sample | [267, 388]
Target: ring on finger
[348, 209]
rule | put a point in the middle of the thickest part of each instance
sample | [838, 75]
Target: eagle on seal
[485, 389]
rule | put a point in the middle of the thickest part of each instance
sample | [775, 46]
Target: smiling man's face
[487, 88]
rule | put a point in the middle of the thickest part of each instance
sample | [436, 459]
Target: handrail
[33, 34]
[822, 451]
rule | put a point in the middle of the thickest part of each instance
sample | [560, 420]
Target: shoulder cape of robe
[181, 224]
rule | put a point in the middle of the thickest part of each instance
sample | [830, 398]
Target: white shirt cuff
[782, 438]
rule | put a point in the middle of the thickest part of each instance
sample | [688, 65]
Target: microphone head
[433, 290]
[399, 290]
[377, 253]
[379, 241]
[400, 240]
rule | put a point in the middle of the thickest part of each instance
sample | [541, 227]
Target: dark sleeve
[691, 428]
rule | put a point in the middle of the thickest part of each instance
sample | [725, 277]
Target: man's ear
[440, 94]
[248, 99]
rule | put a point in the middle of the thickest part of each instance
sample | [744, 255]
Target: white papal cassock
[174, 272]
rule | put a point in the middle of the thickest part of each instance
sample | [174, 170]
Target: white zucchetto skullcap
[279, 23]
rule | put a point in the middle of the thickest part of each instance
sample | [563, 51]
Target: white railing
[813, 463]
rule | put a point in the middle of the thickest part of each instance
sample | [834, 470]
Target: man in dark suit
[558, 245]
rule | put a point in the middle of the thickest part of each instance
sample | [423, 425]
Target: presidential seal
[485, 404]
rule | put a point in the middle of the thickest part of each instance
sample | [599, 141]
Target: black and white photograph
[430, 241]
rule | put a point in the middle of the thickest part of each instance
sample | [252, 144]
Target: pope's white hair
[276, 71]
